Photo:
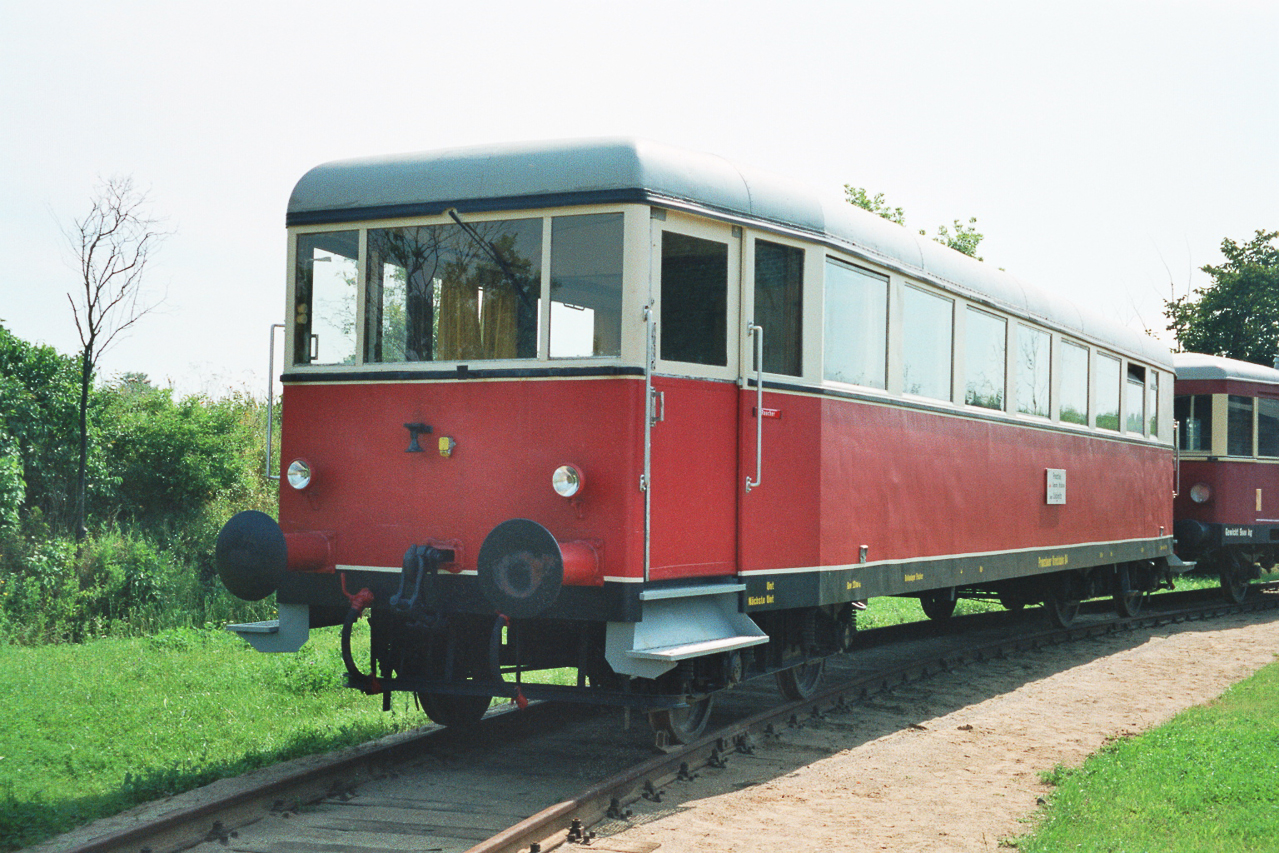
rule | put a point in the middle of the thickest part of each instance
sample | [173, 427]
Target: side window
[1135, 400]
[927, 333]
[1267, 426]
[1034, 362]
[984, 362]
[779, 293]
[1074, 383]
[586, 285]
[324, 293]
[855, 342]
[1107, 392]
[694, 321]
[1239, 426]
[1194, 415]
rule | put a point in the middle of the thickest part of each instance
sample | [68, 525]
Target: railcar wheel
[1128, 601]
[683, 725]
[939, 604]
[800, 682]
[454, 711]
[1234, 586]
[1062, 610]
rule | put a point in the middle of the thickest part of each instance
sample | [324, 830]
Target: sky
[1105, 148]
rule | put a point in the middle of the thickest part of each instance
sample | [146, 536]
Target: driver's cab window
[324, 285]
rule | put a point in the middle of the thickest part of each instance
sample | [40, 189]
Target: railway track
[531, 780]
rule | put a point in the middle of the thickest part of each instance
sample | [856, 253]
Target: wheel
[455, 711]
[683, 725]
[938, 604]
[1234, 586]
[1128, 601]
[1062, 609]
[800, 682]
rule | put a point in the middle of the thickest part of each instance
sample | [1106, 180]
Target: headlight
[567, 480]
[299, 474]
[1200, 493]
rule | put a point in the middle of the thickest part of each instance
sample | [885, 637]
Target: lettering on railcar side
[917, 576]
[758, 600]
[1054, 560]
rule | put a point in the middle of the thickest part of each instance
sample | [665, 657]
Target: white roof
[603, 171]
[1195, 365]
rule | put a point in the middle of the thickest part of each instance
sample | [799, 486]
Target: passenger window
[1074, 383]
[1239, 426]
[453, 292]
[1034, 362]
[1107, 392]
[855, 348]
[984, 359]
[927, 332]
[1267, 426]
[586, 285]
[779, 292]
[1194, 419]
[694, 322]
[1135, 401]
[324, 298]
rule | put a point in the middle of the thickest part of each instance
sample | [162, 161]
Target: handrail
[758, 333]
[1176, 457]
[270, 399]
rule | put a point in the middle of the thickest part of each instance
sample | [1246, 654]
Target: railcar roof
[603, 171]
[1194, 365]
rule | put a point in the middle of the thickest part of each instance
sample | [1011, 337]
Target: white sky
[1106, 148]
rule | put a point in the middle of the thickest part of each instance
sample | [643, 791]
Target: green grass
[1205, 781]
[89, 730]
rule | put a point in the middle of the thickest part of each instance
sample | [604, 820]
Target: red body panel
[695, 485]
[1234, 487]
[511, 436]
[837, 474]
[909, 483]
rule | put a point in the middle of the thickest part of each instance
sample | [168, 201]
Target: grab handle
[758, 333]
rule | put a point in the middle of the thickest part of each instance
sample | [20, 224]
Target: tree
[966, 236]
[858, 197]
[1238, 314]
[112, 246]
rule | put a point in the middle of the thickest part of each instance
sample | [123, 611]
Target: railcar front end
[1227, 509]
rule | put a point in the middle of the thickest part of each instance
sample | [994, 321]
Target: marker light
[1200, 493]
[567, 481]
[299, 474]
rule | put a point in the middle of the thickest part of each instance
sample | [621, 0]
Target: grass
[1204, 781]
[90, 730]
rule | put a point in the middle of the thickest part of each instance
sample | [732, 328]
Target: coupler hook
[368, 684]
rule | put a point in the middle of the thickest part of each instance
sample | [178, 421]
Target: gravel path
[951, 763]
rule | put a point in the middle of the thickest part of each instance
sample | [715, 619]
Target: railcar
[1227, 507]
[666, 422]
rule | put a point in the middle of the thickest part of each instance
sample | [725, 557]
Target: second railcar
[1227, 508]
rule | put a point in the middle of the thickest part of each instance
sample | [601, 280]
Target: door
[693, 479]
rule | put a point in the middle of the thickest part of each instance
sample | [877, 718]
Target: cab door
[693, 483]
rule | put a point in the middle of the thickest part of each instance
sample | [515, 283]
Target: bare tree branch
[112, 245]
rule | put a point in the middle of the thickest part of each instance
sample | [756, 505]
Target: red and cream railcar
[637, 411]
[1227, 509]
